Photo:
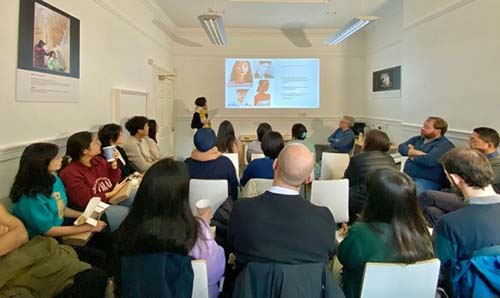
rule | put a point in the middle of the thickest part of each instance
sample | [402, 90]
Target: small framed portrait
[387, 79]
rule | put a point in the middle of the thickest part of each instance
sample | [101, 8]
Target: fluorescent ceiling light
[213, 26]
[352, 27]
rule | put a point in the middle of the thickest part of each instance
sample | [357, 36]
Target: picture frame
[388, 79]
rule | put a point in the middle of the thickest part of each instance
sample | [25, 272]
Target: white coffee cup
[108, 153]
[202, 206]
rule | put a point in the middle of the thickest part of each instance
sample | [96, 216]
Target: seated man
[424, 152]
[206, 162]
[459, 234]
[436, 203]
[136, 146]
[342, 139]
[279, 225]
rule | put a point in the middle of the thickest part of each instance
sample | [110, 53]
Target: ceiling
[270, 13]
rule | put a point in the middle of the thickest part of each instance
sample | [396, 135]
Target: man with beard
[435, 204]
[424, 153]
[459, 235]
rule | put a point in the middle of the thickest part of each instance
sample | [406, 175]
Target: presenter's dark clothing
[281, 228]
[360, 165]
[196, 121]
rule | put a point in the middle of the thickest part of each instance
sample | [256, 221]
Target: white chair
[393, 280]
[333, 194]
[402, 163]
[255, 187]
[213, 190]
[200, 280]
[333, 165]
[257, 156]
[234, 159]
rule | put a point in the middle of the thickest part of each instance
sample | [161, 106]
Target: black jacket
[274, 280]
[357, 171]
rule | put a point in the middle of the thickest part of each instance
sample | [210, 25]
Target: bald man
[279, 225]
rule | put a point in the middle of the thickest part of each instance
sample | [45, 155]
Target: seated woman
[40, 203]
[227, 141]
[272, 144]
[299, 135]
[391, 229]
[255, 146]
[375, 147]
[89, 175]
[159, 235]
[112, 135]
[42, 267]
[206, 162]
[154, 148]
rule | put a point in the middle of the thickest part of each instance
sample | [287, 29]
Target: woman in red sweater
[89, 175]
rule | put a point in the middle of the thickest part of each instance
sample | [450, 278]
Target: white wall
[448, 51]
[116, 39]
[200, 72]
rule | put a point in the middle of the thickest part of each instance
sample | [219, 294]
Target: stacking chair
[333, 194]
[255, 187]
[333, 165]
[234, 159]
[200, 280]
[395, 280]
[213, 190]
[257, 155]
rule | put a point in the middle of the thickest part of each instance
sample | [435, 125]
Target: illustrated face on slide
[263, 85]
[242, 68]
[264, 68]
[240, 95]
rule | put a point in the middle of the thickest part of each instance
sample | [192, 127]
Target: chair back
[234, 159]
[333, 165]
[333, 194]
[402, 163]
[200, 280]
[394, 280]
[213, 190]
[257, 155]
[256, 187]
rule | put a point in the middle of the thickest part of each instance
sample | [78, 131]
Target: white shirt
[282, 190]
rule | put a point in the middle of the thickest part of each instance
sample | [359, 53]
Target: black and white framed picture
[387, 79]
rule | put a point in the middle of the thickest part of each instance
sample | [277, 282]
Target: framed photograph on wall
[387, 79]
[48, 53]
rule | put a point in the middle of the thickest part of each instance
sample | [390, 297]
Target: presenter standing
[200, 115]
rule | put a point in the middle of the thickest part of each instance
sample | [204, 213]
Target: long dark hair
[153, 129]
[33, 176]
[225, 137]
[75, 146]
[160, 219]
[392, 199]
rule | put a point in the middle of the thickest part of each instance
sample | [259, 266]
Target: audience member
[424, 152]
[342, 139]
[436, 203]
[391, 229]
[42, 267]
[160, 232]
[375, 147]
[272, 144]
[200, 115]
[206, 162]
[299, 135]
[227, 141]
[154, 148]
[255, 146]
[459, 234]
[284, 227]
[89, 175]
[112, 135]
[40, 202]
[136, 146]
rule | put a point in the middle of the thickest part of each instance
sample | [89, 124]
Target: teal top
[40, 213]
[363, 245]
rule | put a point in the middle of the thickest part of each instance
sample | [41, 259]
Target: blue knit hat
[204, 139]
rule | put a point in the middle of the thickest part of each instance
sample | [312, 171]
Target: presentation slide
[272, 83]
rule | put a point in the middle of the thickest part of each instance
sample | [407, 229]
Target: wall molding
[186, 117]
[436, 14]
[15, 151]
[131, 24]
